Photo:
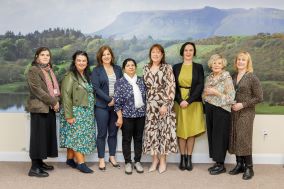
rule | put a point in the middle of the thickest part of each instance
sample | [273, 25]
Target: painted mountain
[195, 23]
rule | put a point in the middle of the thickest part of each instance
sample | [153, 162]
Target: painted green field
[265, 108]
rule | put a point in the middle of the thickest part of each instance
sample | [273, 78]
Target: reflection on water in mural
[12, 102]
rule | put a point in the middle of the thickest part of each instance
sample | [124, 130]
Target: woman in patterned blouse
[248, 94]
[219, 96]
[160, 125]
[129, 98]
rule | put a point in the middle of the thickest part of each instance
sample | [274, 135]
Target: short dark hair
[184, 45]
[87, 71]
[126, 60]
[161, 48]
[101, 52]
[38, 51]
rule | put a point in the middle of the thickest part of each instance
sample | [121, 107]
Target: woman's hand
[119, 122]
[163, 111]
[210, 91]
[183, 104]
[71, 120]
[56, 107]
[111, 103]
[237, 106]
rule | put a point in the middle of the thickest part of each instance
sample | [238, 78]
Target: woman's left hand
[163, 110]
[119, 122]
[237, 106]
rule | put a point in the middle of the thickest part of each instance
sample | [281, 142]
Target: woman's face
[106, 58]
[43, 57]
[81, 63]
[217, 66]
[188, 52]
[156, 55]
[242, 62]
[130, 68]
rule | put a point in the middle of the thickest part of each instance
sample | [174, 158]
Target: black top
[197, 84]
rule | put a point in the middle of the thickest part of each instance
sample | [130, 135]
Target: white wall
[267, 149]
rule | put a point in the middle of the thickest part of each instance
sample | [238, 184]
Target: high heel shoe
[102, 168]
[162, 169]
[153, 167]
[114, 165]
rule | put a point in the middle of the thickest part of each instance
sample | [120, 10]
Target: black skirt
[43, 140]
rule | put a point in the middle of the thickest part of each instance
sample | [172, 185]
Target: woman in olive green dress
[77, 131]
[189, 78]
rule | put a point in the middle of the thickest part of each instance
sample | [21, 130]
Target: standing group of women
[162, 111]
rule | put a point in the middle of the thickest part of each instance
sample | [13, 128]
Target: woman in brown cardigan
[248, 94]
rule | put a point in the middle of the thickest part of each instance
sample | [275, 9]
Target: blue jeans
[106, 118]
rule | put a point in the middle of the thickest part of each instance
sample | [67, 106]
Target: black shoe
[102, 168]
[218, 170]
[189, 163]
[248, 174]
[71, 163]
[84, 169]
[239, 168]
[213, 167]
[114, 165]
[37, 172]
[183, 162]
[46, 167]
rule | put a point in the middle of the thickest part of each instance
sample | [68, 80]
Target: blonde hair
[216, 57]
[249, 61]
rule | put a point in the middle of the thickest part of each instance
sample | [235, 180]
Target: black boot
[239, 168]
[189, 163]
[249, 173]
[183, 162]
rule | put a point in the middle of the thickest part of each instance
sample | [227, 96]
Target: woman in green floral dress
[77, 131]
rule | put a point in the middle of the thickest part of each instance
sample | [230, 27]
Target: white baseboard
[172, 158]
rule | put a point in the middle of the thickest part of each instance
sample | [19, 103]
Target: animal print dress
[160, 131]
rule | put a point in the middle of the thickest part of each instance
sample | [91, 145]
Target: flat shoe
[37, 172]
[84, 168]
[46, 167]
[71, 163]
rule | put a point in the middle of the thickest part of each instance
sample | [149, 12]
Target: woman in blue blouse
[129, 97]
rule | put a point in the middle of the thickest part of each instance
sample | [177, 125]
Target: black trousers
[218, 123]
[43, 140]
[132, 128]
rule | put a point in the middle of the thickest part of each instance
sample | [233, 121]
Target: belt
[184, 87]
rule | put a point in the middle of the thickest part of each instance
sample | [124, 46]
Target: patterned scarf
[50, 80]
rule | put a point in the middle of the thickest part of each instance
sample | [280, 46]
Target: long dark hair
[38, 51]
[87, 71]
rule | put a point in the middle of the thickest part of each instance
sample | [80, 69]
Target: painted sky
[92, 15]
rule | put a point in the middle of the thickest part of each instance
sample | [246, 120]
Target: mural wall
[130, 28]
